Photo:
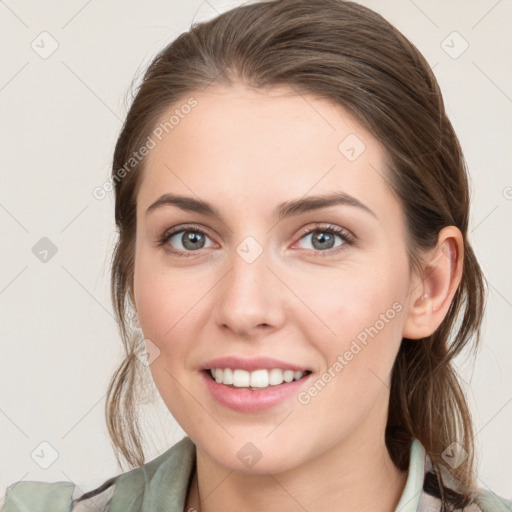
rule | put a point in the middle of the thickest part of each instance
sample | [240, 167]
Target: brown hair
[351, 56]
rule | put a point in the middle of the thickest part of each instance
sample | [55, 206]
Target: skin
[245, 152]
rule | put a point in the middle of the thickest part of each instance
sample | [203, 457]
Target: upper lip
[251, 364]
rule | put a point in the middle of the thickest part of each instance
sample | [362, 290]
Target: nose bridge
[249, 295]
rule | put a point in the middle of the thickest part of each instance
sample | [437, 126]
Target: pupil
[191, 238]
[325, 240]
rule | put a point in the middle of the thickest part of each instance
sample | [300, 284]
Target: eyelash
[347, 237]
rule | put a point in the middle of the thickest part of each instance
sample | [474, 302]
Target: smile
[257, 379]
[268, 389]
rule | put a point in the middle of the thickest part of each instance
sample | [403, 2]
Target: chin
[259, 456]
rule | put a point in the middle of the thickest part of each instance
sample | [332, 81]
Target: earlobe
[432, 293]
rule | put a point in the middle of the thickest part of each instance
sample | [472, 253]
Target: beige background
[60, 117]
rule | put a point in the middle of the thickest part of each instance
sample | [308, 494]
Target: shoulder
[28, 496]
[484, 500]
[488, 501]
[430, 498]
[167, 475]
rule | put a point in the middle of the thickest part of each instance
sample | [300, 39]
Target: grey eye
[190, 240]
[321, 239]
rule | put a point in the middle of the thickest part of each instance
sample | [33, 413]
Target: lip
[246, 400]
[251, 364]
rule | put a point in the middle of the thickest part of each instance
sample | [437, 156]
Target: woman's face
[264, 276]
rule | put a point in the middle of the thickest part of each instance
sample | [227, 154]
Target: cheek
[350, 299]
[166, 315]
[160, 300]
[356, 315]
[172, 308]
[162, 295]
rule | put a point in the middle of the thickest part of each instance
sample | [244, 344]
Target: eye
[181, 240]
[185, 239]
[323, 239]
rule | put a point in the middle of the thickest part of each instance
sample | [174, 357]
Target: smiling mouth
[255, 380]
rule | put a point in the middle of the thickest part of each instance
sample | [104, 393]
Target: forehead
[249, 144]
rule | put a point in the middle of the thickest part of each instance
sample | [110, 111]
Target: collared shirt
[161, 485]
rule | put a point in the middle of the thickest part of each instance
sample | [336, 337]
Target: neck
[362, 475]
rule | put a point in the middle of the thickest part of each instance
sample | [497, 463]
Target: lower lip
[246, 400]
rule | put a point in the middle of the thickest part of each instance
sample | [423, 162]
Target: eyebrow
[283, 210]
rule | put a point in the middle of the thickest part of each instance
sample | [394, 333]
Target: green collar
[160, 485]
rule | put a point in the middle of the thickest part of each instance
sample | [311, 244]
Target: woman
[292, 205]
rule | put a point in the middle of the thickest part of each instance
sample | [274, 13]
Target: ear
[432, 293]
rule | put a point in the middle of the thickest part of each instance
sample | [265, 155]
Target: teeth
[226, 376]
[256, 380]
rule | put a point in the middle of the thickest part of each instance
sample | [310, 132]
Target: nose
[250, 299]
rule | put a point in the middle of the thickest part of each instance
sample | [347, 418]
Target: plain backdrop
[65, 78]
